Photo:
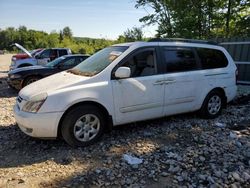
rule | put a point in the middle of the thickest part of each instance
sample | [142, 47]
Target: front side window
[99, 61]
[179, 60]
[211, 58]
[142, 63]
[45, 54]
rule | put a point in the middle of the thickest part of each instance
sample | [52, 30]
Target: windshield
[34, 52]
[54, 62]
[99, 61]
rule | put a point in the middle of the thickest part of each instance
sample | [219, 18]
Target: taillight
[236, 76]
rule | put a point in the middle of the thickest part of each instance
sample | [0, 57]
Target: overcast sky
[86, 18]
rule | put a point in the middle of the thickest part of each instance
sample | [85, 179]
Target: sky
[87, 18]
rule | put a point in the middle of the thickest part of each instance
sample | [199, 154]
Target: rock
[220, 125]
[236, 176]
[20, 181]
[202, 177]
[233, 135]
[164, 174]
[173, 169]
[180, 178]
[210, 179]
[202, 159]
[245, 176]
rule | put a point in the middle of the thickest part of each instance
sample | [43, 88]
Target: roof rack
[182, 40]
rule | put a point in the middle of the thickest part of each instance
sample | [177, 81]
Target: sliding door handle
[159, 82]
[169, 81]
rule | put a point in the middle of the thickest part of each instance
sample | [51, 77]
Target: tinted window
[211, 58]
[179, 59]
[69, 63]
[80, 59]
[45, 54]
[62, 52]
[142, 63]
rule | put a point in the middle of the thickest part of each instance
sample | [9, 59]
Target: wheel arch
[24, 65]
[94, 103]
[220, 90]
[29, 76]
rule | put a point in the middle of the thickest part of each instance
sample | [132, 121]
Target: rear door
[183, 80]
[140, 96]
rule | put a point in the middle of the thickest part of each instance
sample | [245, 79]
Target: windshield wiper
[78, 72]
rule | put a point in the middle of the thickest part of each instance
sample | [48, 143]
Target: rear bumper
[231, 92]
[41, 125]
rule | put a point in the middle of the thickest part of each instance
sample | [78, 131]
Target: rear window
[211, 58]
[179, 59]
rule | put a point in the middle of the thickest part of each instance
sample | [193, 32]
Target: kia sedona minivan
[127, 83]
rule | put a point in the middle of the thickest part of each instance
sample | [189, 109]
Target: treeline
[32, 39]
[201, 19]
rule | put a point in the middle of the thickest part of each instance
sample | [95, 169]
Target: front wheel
[30, 80]
[83, 125]
[212, 105]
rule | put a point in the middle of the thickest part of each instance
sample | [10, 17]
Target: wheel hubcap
[214, 104]
[86, 127]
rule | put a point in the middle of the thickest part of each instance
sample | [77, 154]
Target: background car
[41, 58]
[24, 55]
[21, 77]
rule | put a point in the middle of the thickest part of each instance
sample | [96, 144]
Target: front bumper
[41, 125]
[15, 83]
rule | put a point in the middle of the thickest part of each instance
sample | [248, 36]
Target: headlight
[35, 103]
[13, 62]
[14, 76]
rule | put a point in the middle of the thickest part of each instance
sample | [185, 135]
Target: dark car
[21, 77]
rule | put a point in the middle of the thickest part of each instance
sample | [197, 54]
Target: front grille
[19, 99]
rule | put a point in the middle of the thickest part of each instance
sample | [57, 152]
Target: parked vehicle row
[125, 83]
[41, 57]
[21, 77]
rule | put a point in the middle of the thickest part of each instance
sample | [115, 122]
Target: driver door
[140, 96]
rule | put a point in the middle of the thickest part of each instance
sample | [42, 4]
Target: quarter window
[142, 63]
[62, 52]
[179, 59]
[211, 58]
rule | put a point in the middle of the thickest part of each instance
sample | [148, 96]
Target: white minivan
[126, 83]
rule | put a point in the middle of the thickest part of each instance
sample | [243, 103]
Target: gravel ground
[177, 151]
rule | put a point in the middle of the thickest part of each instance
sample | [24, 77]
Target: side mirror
[123, 72]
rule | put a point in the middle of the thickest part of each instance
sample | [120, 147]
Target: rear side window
[211, 58]
[179, 59]
[62, 52]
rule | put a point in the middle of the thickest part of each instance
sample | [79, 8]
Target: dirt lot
[179, 151]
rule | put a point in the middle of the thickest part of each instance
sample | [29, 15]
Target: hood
[51, 83]
[23, 49]
[27, 68]
[20, 56]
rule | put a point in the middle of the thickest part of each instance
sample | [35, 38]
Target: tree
[130, 35]
[197, 18]
[66, 32]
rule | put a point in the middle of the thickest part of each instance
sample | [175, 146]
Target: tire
[83, 125]
[30, 80]
[212, 105]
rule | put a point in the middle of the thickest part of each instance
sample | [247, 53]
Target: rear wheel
[30, 80]
[83, 125]
[212, 105]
